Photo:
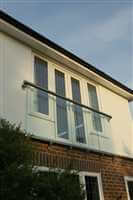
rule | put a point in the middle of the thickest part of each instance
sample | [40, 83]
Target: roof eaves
[4, 16]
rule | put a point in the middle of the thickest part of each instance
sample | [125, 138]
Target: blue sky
[99, 31]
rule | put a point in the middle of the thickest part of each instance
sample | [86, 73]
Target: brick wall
[112, 168]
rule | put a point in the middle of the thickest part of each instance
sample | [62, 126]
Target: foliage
[16, 174]
[59, 185]
[20, 180]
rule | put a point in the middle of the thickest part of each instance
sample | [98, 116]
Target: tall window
[92, 188]
[130, 188]
[96, 118]
[61, 106]
[78, 113]
[41, 103]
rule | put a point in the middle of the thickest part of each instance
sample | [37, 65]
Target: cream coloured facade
[17, 65]
[76, 114]
[17, 60]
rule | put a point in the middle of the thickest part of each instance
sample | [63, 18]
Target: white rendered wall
[1, 74]
[16, 65]
[121, 123]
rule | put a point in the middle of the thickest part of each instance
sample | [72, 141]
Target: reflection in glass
[41, 104]
[61, 106]
[78, 113]
[96, 118]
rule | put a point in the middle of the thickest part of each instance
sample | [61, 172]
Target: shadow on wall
[127, 150]
[131, 108]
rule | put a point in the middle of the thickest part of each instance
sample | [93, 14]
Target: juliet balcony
[57, 119]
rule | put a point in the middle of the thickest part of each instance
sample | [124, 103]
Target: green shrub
[59, 185]
[18, 178]
[16, 174]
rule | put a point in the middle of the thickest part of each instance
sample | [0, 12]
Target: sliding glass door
[41, 102]
[93, 100]
[61, 106]
[78, 112]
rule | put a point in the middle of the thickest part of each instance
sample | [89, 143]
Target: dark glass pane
[96, 118]
[61, 106]
[76, 90]
[78, 113]
[130, 189]
[92, 188]
[41, 73]
[93, 97]
[41, 79]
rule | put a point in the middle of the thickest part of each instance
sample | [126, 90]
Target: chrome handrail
[27, 83]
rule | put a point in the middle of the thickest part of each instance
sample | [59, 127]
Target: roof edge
[4, 16]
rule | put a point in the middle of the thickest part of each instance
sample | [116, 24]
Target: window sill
[100, 134]
[71, 146]
[41, 116]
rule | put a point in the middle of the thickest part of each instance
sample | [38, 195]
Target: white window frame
[68, 75]
[68, 112]
[99, 179]
[94, 132]
[126, 179]
[81, 178]
[83, 101]
[50, 116]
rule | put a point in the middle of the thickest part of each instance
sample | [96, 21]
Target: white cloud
[87, 39]
[117, 27]
[99, 41]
